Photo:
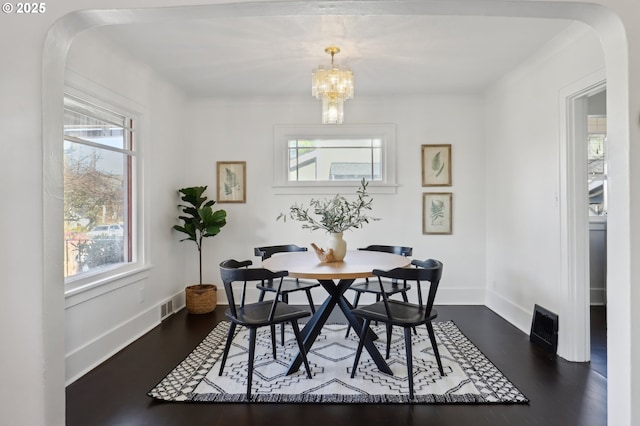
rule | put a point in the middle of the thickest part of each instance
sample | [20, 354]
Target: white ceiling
[269, 56]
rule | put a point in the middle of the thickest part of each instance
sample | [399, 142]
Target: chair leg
[355, 305]
[389, 331]
[261, 297]
[273, 340]
[406, 300]
[378, 297]
[432, 337]
[407, 344]
[227, 346]
[311, 305]
[303, 352]
[285, 299]
[363, 334]
[252, 351]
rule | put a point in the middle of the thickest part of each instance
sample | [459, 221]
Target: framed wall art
[436, 165]
[437, 217]
[232, 183]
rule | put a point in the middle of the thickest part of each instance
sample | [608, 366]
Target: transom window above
[335, 159]
[317, 159]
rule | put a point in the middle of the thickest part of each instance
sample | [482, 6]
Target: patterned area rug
[469, 376]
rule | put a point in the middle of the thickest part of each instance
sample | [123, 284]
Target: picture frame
[232, 181]
[436, 165]
[437, 213]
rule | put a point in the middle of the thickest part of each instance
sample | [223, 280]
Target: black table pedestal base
[312, 329]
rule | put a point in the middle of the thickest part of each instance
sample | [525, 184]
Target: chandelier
[333, 86]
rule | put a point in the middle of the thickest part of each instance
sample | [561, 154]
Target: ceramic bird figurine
[325, 257]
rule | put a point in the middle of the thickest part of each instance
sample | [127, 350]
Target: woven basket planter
[201, 299]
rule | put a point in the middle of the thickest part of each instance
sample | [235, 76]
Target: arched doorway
[61, 36]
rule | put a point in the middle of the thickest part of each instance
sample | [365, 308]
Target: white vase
[338, 245]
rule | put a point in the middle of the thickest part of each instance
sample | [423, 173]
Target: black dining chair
[404, 314]
[289, 285]
[389, 286]
[259, 314]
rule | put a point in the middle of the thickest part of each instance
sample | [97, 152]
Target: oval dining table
[335, 278]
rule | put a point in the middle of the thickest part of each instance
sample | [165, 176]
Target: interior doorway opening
[597, 171]
[597, 184]
[587, 153]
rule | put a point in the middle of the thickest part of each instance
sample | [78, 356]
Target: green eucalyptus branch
[333, 215]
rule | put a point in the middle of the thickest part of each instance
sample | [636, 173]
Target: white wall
[523, 164]
[242, 130]
[103, 320]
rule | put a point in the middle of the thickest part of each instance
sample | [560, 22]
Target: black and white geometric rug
[469, 376]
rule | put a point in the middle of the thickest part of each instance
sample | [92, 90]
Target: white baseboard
[87, 357]
[514, 314]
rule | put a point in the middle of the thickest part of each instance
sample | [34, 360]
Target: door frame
[574, 201]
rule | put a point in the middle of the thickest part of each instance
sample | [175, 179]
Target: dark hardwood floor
[560, 393]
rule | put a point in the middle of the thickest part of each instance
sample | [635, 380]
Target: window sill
[87, 288]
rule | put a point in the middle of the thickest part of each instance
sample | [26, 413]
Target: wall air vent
[544, 329]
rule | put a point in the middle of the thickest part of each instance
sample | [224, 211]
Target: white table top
[356, 264]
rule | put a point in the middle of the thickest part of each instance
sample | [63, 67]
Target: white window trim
[282, 133]
[80, 87]
[90, 287]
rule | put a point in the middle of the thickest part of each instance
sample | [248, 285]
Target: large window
[99, 159]
[317, 157]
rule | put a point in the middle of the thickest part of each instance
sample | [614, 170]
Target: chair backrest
[401, 250]
[232, 271]
[268, 251]
[426, 270]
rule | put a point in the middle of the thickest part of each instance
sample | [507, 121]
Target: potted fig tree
[199, 221]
